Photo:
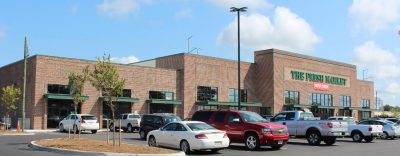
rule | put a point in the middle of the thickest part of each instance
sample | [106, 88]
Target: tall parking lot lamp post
[238, 10]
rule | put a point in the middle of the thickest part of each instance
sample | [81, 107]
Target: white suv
[83, 122]
[129, 122]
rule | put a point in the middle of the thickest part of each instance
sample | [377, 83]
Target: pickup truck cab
[304, 124]
[245, 127]
[359, 132]
[129, 122]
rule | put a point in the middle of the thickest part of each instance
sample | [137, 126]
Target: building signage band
[322, 79]
[321, 86]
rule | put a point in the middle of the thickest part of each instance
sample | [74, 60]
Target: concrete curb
[33, 145]
[23, 134]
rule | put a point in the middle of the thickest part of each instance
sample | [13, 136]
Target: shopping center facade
[184, 83]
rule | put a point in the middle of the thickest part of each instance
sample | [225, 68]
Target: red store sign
[321, 86]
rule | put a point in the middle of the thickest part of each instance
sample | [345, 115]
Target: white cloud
[74, 9]
[118, 8]
[287, 31]
[2, 33]
[125, 60]
[253, 4]
[384, 68]
[183, 14]
[374, 15]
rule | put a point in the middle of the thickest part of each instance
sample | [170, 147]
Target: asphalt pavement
[18, 146]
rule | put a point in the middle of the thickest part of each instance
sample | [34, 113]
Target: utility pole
[24, 85]
[188, 44]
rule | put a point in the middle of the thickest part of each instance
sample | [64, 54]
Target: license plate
[218, 142]
[280, 142]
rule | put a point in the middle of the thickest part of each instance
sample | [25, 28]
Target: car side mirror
[272, 119]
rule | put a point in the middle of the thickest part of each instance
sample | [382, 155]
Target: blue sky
[361, 32]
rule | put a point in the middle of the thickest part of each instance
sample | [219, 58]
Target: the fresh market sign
[307, 76]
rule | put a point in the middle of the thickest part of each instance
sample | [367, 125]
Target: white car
[83, 122]
[390, 129]
[189, 136]
[129, 122]
[359, 132]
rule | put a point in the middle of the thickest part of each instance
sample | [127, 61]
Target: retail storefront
[184, 83]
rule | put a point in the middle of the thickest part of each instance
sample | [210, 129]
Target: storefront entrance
[57, 110]
[120, 108]
[345, 112]
[323, 113]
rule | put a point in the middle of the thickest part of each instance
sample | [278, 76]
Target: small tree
[105, 78]
[9, 99]
[76, 85]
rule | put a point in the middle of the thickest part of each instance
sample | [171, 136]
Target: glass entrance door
[58, 110]
[161, 108]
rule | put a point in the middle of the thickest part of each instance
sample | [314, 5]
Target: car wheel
[368, 139]
[130, 128]
[185, 147]
[142, 135]
[314, 138]
[152, 141]
[76, 130]
[62, 128]
[384, 135]
[357, 136]
[276, 147]
[112, 128]
[330, 140]
[94, 131]
[252, 142]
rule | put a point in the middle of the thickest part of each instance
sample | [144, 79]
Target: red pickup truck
[245, 126]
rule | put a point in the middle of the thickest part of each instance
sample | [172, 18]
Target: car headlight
[266, 131]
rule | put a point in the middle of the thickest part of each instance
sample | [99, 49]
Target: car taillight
[370, 129]
[330, 125]
[200, 136]
[225, 136]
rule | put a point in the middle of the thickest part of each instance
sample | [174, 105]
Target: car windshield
[169, 119]
[89, 117]
[199, 126]
[252, 117]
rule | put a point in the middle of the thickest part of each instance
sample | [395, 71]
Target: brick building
[184, 83]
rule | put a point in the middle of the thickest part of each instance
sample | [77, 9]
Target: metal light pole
[363, 71]
[238, 10]
[188, 44]
[24, 85]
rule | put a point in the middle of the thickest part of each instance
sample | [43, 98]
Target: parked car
[359, 132]
[390, 129]
[83, 122]
[395, 120]
[151, 122]
[245, 127]
[304, 124]
[267, 117]
[129, 122]
[189, 136]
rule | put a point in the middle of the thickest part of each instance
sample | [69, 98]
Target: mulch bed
[91, 145]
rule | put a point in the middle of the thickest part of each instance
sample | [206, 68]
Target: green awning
[253, 104]
[163, 101]
[62, 96]
[121, 99]
[328, 107]
[299, 106]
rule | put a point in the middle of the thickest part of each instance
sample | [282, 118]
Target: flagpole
[24, 89]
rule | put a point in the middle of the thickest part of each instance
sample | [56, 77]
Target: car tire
[276, 147]
[62, 128]
[314, 138]
[112, 128]
[215, 150]
[252, 142]
[185, 147]
[94, 131]
[357, 136]
[142, 135]
[76, 130]
[129, 129]
[152, 141]
[330, 140]
[384, 135]
[369, 139]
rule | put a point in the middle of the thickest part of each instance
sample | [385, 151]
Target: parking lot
[18, 145]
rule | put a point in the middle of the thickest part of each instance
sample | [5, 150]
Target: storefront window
[244, 108]
[320, 99]
[345, 101]
[365, 115]
[200, 107]
[292, 97]
[234, 94]
[125, 93]
[365, 103]
[161, 95]
[206, 93]
[57, 89]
